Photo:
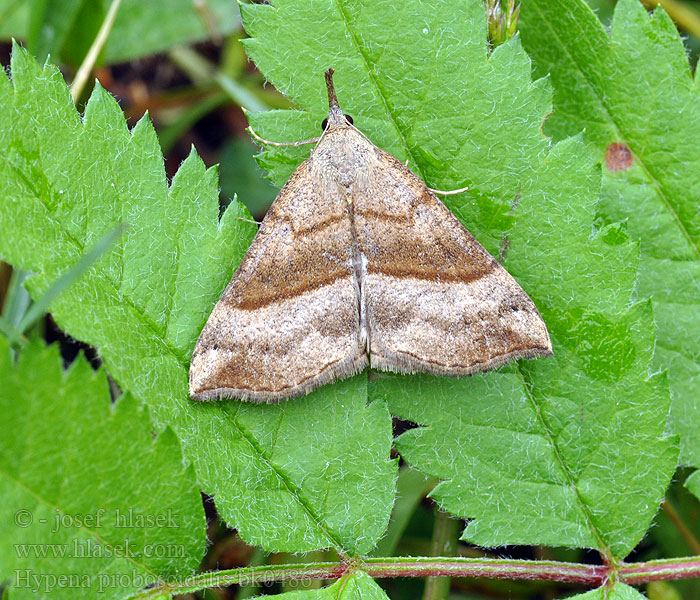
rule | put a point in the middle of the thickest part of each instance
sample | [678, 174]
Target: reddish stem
[590, 575]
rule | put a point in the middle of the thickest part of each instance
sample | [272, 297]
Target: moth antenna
[280, 144]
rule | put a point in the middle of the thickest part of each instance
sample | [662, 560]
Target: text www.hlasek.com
[90, 548]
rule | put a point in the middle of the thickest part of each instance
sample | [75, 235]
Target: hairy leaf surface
[633, 93]
[297, 476]
[544, 454]
[92, 504]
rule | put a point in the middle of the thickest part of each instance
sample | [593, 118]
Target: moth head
[348, 119]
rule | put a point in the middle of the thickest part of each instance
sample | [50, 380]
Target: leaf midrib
[603, 548]
[291, 488]
[375, 84]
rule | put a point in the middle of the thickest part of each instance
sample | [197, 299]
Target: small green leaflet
[618, 591]
[356, 586]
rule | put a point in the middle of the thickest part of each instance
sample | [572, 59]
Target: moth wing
[435, 299]
[288, 321]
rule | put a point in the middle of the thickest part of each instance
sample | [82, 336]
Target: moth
[358, 263]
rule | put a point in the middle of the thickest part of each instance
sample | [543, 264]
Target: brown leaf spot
[618, 157]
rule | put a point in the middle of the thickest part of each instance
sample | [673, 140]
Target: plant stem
[680, 526]
[489, 568]
[592, 575]
[661, 570]
[76, 88]
[201, 71]
[445, 534]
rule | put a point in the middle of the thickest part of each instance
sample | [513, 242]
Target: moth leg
[253, 221]
[450, 192]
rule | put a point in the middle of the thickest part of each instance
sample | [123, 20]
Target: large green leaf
[546, 454]
[92, 505]
[298, 476]
[635, 88]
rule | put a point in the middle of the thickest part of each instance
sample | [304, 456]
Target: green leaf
[693, 484]
[411, 488]
[635, 88]
[550, 452]
[36, 310]
[50, 22]
[618, 591]
[547, 454]
[239, 171]
[65, 28]
[144, 28]
[90, 500]
[293, 477]
[311, 473]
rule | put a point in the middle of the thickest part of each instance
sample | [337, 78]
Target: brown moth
[357, 263]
